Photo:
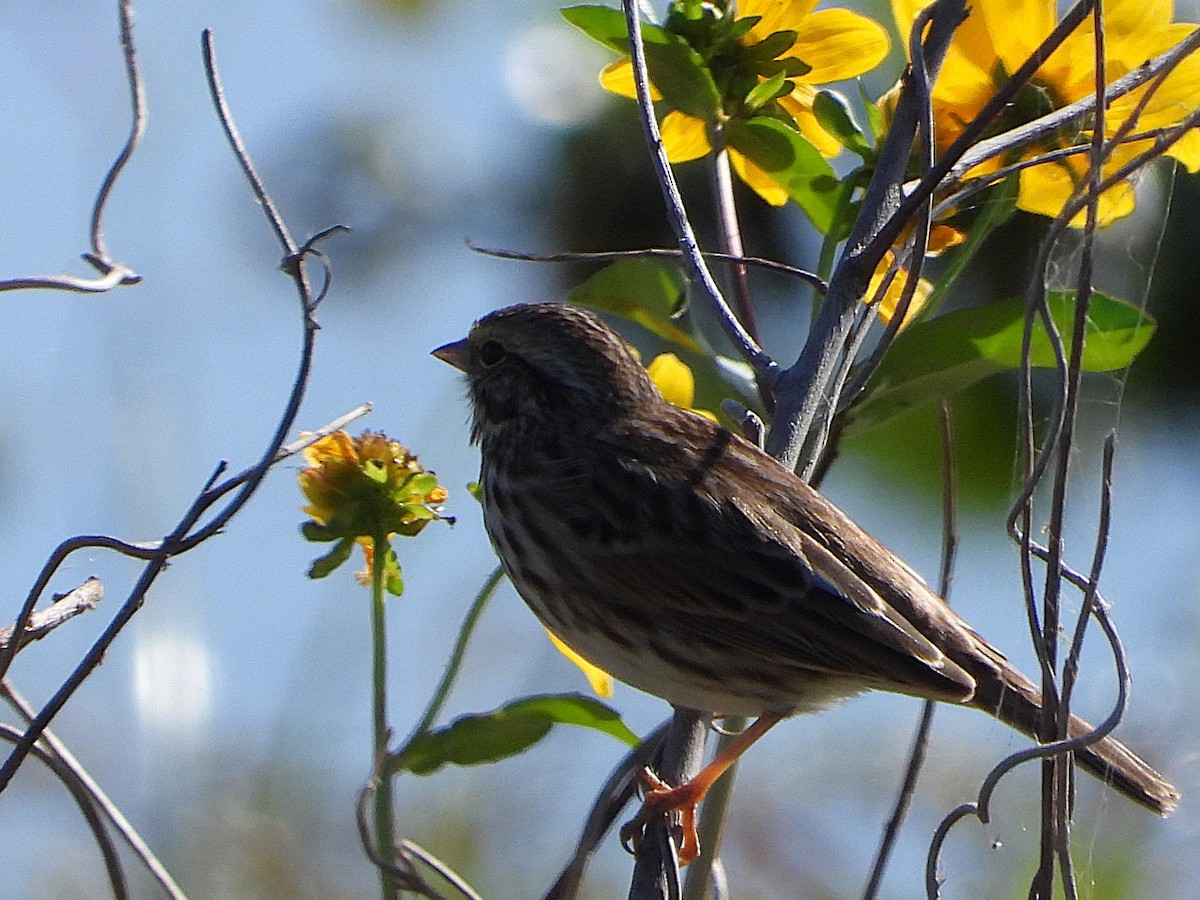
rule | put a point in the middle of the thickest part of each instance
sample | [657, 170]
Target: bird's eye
[490, 353]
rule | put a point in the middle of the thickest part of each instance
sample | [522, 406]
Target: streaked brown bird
[688, 563]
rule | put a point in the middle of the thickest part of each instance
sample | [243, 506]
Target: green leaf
[835, 115]
[683, 78]
[790, 160]
[689, 10]
[740, 27]
[774, 44]
[766, 91]
[421, 483]
[791, 66]
[317, 532]
[647, 291]
[874, 114]
[677, 70]
[941, 357]
[415, 512]
[323, 565]
[607, 26]
[473, 740]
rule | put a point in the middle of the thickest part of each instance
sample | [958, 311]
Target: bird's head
[548, 362]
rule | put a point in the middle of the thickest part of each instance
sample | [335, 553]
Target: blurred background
[231, 720]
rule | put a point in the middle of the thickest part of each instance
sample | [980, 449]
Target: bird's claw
[661, 799]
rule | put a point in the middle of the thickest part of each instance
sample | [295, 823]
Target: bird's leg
[661, 798]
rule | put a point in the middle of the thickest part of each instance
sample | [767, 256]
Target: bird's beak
[458, 354]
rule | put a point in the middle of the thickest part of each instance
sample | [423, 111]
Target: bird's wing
[725, 564]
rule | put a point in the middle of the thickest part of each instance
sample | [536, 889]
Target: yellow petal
[1130, 26]
[1045, 189]
[965, 83]
[798, 104]
[839, 44]
[943, 237]
[1175, 98]
[1115, 203]
[1187, 150]
[601, 681]
[891, 298]
[904, 13]
[684, 136]
[973, 44]
[673, 379]
[776, 15]
[758, 179]
[618, 78]
[961, 91]
[1017, 27]
[335, 447]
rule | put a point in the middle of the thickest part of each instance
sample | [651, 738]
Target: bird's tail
[1017, 702]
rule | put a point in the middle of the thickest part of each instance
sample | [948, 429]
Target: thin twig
[111, 279]
[112, 274]
[694, 265]
[217, 92]
[757, 262]
[656, 866]
[442, 691]
[137, 94]
[820, 452]
[98, 797]
[398, 866]
[1056, 781]
[87, 806]
[618, 790]
[922, 89]
[1091, 591]
[186, 534]
[703, 874]
[293, 266]
[443, 870]
[801, 389]
[67, 606]
[981, 807]
[308, 438]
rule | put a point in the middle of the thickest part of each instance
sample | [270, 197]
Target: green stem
[385, 833]
[456, 655]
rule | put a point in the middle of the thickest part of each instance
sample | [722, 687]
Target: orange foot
[662, 799]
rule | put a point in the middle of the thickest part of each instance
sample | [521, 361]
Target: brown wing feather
[739, 568]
